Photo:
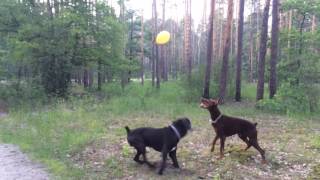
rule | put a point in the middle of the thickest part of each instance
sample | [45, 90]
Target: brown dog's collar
[216, 120]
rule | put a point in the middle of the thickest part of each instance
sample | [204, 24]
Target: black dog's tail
[255, 124]
[127, 129]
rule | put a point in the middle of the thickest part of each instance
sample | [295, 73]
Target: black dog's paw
[176, 165]
[160, 173]
[152, 166]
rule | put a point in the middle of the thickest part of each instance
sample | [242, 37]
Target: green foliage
[50, 45]
[292, 99]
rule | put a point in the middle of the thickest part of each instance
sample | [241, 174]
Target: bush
[17, 94]
[293, 99]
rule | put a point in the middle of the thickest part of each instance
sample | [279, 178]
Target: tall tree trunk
[314, 24]
[130, 48]
[300, 44]
[206, 88]
[156, 46]
[153, 46]
[187, 40]
[257, 30]
[251, 50]
[225, 59]
[91, 78]
[85, 78]
[239, 51]
[142, 51]
[274, 48]
[263, 51]
[289, 28]
[100, 78]
[163, 64]
[56, 7]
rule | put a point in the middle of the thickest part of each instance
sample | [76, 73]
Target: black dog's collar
[175, 131]
[216, 120]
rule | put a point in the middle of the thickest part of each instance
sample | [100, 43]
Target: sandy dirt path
[15, 165]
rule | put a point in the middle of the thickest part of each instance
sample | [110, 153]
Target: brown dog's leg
[244, 138]
[254, 143]
[214, 142]
[222, 139]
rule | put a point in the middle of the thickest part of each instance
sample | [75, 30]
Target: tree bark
[153, 47]
[239, 51]
[207, 77]
[251, 50]
[142, 51]
[156, 46]
[274, 48]
[187, 40]
[263, 51]
[225, 59]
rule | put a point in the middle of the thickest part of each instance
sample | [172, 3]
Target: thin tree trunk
[224, 68]
[239, 51]
[257, 35]
[206, 88]
[187, 41]
[314, 24]
[142, 51]
[274, 48]
[85, 78]
[300, 44]
[289, 28]
[263, 51]
[153, 46]
[251, 50]
[156, 46]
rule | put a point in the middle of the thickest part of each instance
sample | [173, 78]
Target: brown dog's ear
[215, 102]
[204, 99]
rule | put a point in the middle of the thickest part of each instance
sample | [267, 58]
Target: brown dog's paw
[220, 157]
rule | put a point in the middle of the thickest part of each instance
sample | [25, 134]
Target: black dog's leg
[214, 142]
[164, 159]
[222, 139]
[136, 157]
[173, 156]
[145, 159]
[141, 149]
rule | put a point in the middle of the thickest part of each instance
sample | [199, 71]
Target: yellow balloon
[163, 37]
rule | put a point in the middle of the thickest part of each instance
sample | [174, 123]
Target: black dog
[164, 140]
[225, 126]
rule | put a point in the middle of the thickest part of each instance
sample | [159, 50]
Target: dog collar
[175, 131]
[216, 120]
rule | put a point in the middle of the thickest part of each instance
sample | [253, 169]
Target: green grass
[54, 133]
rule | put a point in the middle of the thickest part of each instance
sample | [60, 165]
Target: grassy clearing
[85, 139]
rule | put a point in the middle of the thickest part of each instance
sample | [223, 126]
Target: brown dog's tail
[127, 129]
[255, 124]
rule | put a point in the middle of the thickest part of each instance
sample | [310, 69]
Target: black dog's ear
[187, 123]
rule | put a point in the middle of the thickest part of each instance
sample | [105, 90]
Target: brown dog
[225, 126]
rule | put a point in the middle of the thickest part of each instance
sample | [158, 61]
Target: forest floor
[292, 152]
[84, 138]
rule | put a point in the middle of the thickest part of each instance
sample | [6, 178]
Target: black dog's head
[183, 124]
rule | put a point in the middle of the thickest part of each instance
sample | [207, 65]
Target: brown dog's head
[208, 103]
